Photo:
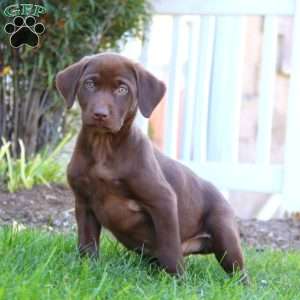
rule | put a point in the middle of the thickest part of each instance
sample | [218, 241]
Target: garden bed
[53, 208]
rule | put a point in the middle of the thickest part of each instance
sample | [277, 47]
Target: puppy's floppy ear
[67, 81]
[150, 90]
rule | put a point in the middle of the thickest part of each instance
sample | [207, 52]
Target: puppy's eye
[122, 90]
[90, 84]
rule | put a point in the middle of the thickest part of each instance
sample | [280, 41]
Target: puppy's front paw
[244, 278]
[172, 265]
[88, 251]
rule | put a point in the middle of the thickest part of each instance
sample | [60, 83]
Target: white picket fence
[209, 141]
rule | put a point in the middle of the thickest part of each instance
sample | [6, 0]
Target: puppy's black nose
[101, 113]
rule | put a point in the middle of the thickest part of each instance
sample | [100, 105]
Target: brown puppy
[151, 203]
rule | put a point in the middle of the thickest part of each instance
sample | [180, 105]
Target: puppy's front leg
[159, 200]
[165, 218]
[88, 229]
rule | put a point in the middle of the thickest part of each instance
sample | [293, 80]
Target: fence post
[172, 103]
[204, 68]
[291, 179]
[186, 133]
[140, 120]
[267, 90]
[224, 106]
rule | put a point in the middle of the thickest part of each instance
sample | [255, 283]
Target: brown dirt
[48, 207]
[277, 234]
[53, 208]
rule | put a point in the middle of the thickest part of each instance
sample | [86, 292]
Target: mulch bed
[47, 207]
[53, 208]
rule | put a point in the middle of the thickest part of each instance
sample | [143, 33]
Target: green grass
[44, 265]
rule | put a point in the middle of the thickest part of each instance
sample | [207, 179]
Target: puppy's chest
[112, 201]
[106, 179]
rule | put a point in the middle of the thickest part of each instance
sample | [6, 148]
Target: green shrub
[22, 172]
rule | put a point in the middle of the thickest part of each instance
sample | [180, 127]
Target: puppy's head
[109, 88]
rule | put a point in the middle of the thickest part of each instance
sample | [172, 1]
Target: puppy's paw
[243, 278]
[88, 251]
[172, 266]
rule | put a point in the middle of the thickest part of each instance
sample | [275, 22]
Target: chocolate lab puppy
[151, 203]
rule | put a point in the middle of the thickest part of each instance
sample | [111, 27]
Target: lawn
[35, 264]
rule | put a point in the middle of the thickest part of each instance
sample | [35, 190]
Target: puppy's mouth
[102, 127]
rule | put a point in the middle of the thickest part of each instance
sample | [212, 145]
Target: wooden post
[291, 183]
[224, 106]
[172, 105]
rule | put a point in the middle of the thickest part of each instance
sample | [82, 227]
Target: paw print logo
[24, 31]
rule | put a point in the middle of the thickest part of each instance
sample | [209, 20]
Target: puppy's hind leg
[226, 245]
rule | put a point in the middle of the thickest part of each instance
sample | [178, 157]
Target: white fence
[209, 141]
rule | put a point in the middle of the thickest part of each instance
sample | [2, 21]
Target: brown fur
[150, 202]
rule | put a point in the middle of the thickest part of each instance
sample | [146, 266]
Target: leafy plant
[30, 108]
[22, 172]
